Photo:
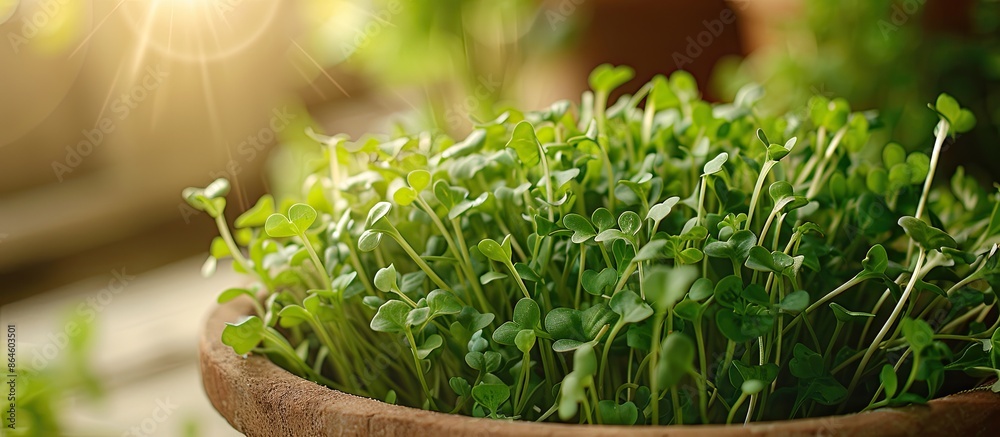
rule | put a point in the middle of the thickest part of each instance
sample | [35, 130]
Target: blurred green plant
[889, 55]
[42, 391]
[465, 54]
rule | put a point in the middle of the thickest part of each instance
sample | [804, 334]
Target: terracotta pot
[260, 399]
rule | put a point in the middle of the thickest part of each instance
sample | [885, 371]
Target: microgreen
[661, 260]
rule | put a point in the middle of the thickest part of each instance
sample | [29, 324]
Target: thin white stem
[888, 323]
[819, 177]
[942, 133]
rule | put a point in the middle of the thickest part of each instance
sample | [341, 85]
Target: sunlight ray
[96, 28]
[320, 67]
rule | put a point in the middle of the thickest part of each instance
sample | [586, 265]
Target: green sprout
[650, 261]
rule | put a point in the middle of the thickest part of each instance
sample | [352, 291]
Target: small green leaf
[404, 196]
[219, 249]
[607, 77]
[795, 302]
[473, 320]
[630, 223]
[465, 205]
[701, 289]
[652, 250]
[378, 212]
[661, 96]
[762, 137]
[599, 283]
[893, 154]
[217, 189]
[447, 195]
[780, 190]
[805, 364]
[603, 219]
[740, 243]
[302, 216]
[888, 378]
[418, 179]
[278, 226]
[899, 176]
[491, 396]
[566, 345]
[470, 144]
[776, 151]
[441, 302]
[920, 165]
[571, 393]
[477, 343]
[752, 386]
[715, 165]
[676, 358]
[995, 349]
[877, 260]
[964, 122]
[947, 106]
[581, 227]
[585, 360]
[258, 214]
[391, 317]
[611, 235]
[488, 277]
[927, 236]
[372, 302]
[918, 334]
[877, 181]
[688, 309]
[460, 386]
[526, 313]
[665, 286]
[385, 278]
[630, 306]
[243, 336]
[233, 293]
[766, 373]
[418, 316]
[369, 240]
[690, 255]
[564, 323]
[525, 144]
[506, 333]
[492, 250]
[757, 294]
[844, 315]
[525, 340]
[560, 178]
[760, 259]
[432, 342]
[615, 414]
[487, 362]
[660, 210]
[743, 327]
[728, 291]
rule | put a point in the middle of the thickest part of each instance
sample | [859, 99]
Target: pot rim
[253, 393]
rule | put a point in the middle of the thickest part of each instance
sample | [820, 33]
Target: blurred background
[109, 108]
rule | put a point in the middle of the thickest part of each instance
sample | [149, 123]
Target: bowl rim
[257, 397]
